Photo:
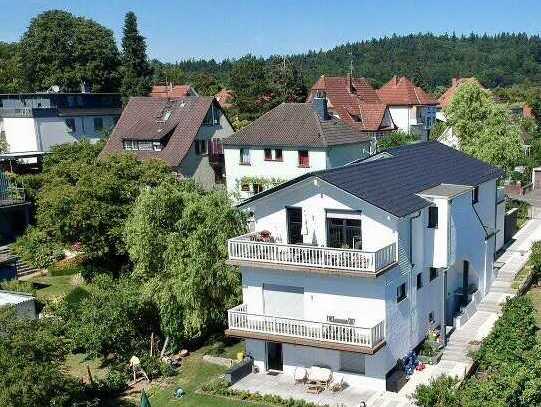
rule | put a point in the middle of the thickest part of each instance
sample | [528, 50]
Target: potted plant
[430, 352]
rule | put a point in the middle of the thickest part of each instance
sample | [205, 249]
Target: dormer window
[356, 118]
[212, 117]
[166, 115]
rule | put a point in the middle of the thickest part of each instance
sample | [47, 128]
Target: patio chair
[337, 383]
[300, 375]
[320, 376]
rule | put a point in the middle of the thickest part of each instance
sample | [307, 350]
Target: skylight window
[166, 115]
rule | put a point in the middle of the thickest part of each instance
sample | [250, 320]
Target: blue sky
[214, 28]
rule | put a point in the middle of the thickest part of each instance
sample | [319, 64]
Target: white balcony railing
[245, 247]
[369, 337]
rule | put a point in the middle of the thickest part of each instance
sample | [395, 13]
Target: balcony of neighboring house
[344, 335]
[262, 250]
[10, 196]
[216, 152]
[17, 112]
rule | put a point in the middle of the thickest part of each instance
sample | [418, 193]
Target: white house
[412, 109]
[32, 123]
[288, 141]
[347, 268]
[24, 304]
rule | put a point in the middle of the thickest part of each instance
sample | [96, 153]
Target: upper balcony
[252, 249]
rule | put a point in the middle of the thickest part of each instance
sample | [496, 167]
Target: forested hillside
[430, 60]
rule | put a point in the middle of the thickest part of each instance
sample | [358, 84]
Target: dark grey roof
[393, 183]
[295, 125]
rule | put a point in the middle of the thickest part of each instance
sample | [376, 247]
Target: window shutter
[197, 150]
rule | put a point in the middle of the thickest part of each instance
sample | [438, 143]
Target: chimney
[319, 104]
[350, 83]
[454, 82]
[85, 87]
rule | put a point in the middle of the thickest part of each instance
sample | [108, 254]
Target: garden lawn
[193, 374]
[49, 286]
[75, 365]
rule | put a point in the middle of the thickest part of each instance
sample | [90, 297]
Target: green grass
[76, 364]
[193, 374]
[521, 276]
[53, 286]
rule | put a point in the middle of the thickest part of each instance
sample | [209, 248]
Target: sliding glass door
[344, 233]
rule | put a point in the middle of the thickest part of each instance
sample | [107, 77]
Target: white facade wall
[459, 237]
[20, 134]
[29, 134]
[402, 117]
[288, 168]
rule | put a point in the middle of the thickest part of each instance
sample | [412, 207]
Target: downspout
[412, 266]
[443, 330]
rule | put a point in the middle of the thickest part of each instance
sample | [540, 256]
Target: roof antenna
[350, 74]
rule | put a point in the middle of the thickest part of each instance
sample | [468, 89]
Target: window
[401, 292]
[431, 317]
[433, 217]
[304, 160]
[433, 273]
[201, 147]
[129, 145]
[156, 146]
[352, 362]
[211, 118]
[71, 125]
[245, 156]
[278, 154]
[145, 145]
[475, 195]
[344, 233]
[245, 187]
[257, 188]
[268, 154]
[419, 281]
[98, 123]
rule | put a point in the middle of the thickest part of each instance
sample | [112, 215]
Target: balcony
[328, 335]
[246, 248]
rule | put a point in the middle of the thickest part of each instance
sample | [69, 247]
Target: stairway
[23, 269]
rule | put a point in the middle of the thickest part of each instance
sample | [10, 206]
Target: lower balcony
[327, 335]
[247, 249]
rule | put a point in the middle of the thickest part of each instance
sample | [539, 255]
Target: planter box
[239, 371]
[430, 360]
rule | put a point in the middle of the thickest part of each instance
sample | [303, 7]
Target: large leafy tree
[136, 69]
[85, 199]
[11, 79]
[31, 354]
[485, 128]
[287, 83]
[176, 237]
[61, 49]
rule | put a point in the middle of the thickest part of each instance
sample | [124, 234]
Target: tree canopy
[485, 128]
[61, 49]
[136, 69]
[176, 237]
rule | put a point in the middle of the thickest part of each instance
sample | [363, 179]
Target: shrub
[154, 367]
[441, 392]
[535, 258]
[67, 267]
[36, 248]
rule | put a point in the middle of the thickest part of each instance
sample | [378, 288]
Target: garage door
[284, 301]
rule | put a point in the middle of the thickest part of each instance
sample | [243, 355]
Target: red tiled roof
[168, 91]
[144, 119]
[351, 97]
[400, 91]
[447, 96]
[224, 98]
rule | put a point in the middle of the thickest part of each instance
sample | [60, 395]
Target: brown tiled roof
[295, 125]
[400, 91]
[168, 91]
[350, 97]
[445, 99]
[224, 98]
[143, 119]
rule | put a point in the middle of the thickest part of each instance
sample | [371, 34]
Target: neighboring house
[186, 133]
[412, 109]
[225, 98]
[349, 267]
[15, 211]
[172, 91]
[290, 140]
[34, 122]
[24, 304]
[355, 102]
